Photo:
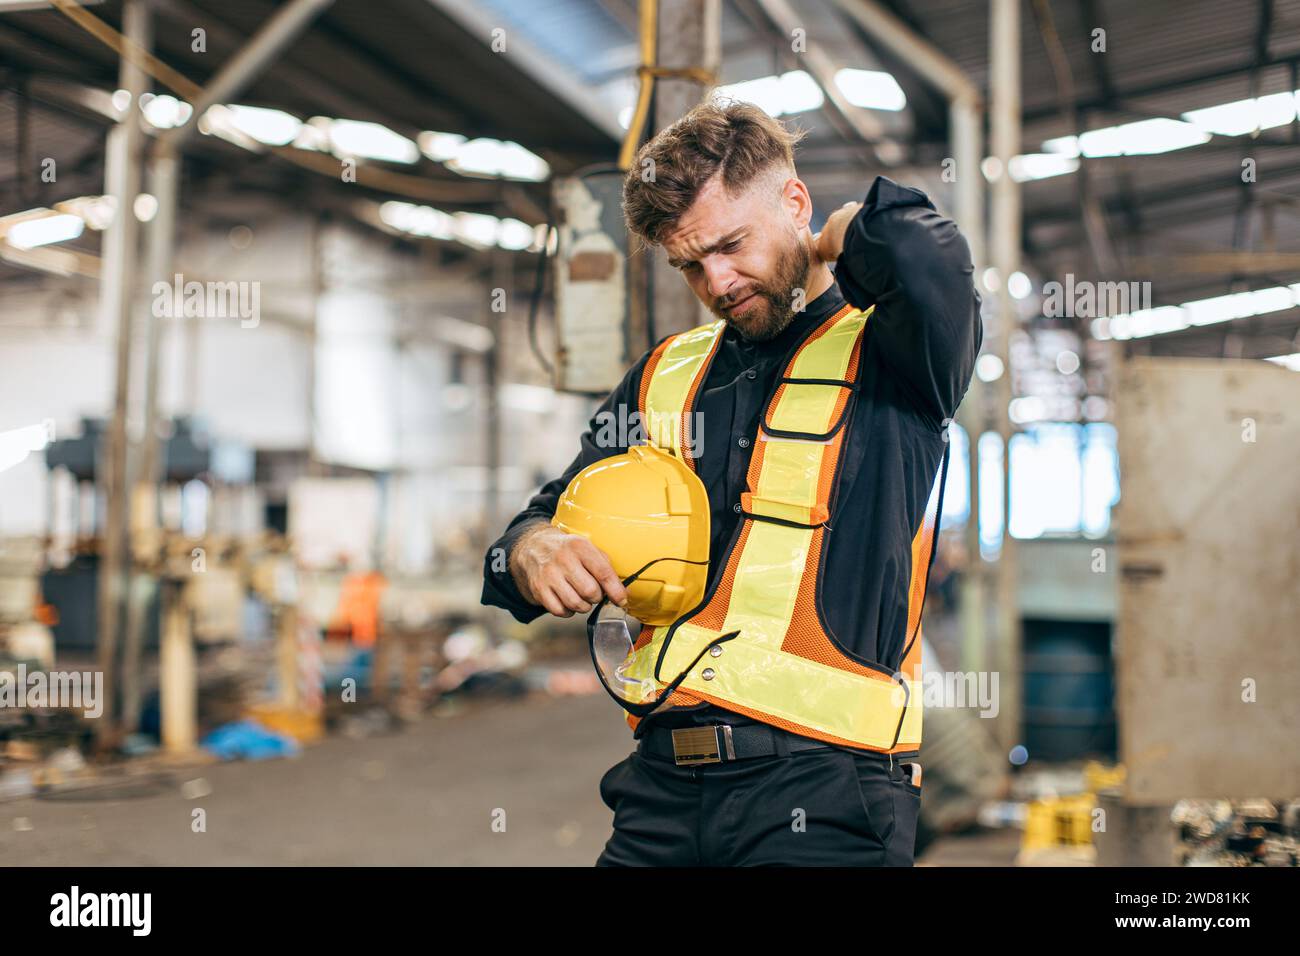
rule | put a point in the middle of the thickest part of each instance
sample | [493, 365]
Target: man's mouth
[743, 305]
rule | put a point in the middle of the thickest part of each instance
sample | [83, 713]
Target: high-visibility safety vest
[783, 668]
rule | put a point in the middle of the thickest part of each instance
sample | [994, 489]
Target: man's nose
[719, 275]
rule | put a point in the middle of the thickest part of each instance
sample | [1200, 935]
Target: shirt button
[744, 443]
[736, 507]
[751, 375]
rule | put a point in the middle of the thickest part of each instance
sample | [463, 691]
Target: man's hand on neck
[829, 243]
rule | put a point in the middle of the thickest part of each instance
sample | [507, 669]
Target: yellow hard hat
[649, 513]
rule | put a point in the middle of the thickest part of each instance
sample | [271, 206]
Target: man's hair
[737, 140]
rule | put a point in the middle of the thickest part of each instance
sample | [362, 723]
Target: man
[812, 765]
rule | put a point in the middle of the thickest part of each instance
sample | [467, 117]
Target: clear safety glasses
[626, 670]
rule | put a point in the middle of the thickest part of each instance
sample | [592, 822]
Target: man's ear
[795, 198]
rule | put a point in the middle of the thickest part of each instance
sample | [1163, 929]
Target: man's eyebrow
[729, 237]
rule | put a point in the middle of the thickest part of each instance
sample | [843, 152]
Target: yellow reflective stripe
[670, 386]
[810, 408]
[787, 480]
[829, 355]
[767, 583]
[791, 469]
[911, 732]
[805, 408]
[763, 595]
[815, 695]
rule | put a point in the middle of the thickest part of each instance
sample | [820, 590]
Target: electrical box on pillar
[591, 283]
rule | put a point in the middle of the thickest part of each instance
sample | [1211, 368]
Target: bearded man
[814, 413]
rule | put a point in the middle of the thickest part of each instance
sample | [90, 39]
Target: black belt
[721, 743]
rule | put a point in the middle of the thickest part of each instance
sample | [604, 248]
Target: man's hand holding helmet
[564, 573]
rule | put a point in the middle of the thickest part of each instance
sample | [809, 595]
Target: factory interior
[298, 309]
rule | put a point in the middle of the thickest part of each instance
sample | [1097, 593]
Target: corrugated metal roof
[580, 34]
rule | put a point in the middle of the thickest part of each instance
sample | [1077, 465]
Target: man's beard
[766, 319]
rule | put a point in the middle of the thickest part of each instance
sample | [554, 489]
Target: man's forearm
[517, 574]
[501, 586]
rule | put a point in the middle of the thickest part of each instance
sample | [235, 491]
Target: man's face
[745, 256]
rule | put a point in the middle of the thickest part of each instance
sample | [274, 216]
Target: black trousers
[824, 807]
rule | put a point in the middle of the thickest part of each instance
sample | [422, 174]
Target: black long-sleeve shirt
[918, 353]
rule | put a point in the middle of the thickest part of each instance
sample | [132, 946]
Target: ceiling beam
[852, 122]
[1164, 86]
[306, 84]
[1253, 337]
[249, 62]
[1217, 263]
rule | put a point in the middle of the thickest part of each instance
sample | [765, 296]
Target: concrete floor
[423, 795]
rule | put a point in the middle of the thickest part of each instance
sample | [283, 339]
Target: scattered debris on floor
[1238, 832]
[249, 740]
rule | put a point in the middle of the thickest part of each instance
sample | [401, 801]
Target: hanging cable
[539, 288]
[647, 72]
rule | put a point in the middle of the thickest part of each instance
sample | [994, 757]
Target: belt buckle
[696, 745]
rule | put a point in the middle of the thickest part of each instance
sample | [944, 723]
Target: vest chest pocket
[809, 409]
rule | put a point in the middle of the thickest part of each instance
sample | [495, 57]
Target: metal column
[1004, 57]
[966, 123]
[122, 182]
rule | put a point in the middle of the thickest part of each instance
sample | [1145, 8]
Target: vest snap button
[708, 673]
[715, 651]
